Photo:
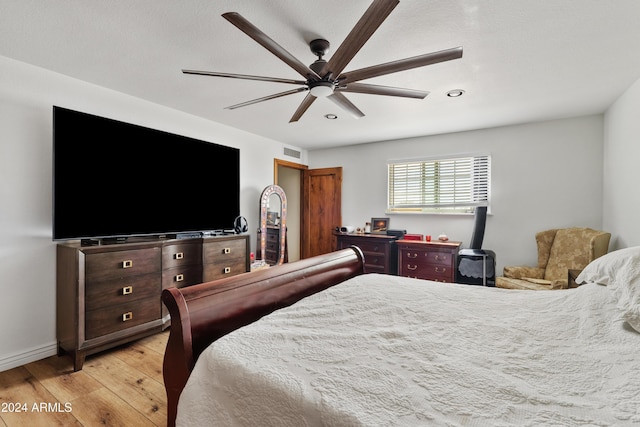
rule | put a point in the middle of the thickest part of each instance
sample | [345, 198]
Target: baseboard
[36, 353]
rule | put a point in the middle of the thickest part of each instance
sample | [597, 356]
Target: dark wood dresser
[110, 294]
[428, 260]
[380, 254]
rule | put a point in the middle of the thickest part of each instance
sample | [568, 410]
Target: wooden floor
[119, 387]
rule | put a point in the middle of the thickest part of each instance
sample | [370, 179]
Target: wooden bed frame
[201, 314]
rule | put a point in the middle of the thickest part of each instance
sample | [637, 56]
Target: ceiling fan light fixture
[322, 89]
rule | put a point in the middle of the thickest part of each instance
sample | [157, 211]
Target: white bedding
[382, 350]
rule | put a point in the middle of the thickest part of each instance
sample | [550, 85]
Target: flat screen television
[113, 179]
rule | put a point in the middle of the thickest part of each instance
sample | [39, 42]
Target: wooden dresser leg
[78, 360]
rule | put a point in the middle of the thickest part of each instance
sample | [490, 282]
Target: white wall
[544, 175]
[621, 169]
[27, 253]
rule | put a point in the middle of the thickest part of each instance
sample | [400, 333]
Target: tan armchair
[559, 250]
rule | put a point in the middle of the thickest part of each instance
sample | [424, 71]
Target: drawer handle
[412, 255]
[441, 257]
[441, 270]
[127, 290]
[226, 251]
[179, 255]
[127, 263]
[127, 316]
[179, 277]
[227, 270]
[412, 267]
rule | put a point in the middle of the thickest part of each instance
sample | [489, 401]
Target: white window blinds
[439, 185]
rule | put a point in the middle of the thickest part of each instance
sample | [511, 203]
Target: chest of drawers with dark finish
[379, 250]
[428, 260]
[110, 294]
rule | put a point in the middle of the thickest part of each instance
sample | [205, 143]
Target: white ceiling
[524, 60]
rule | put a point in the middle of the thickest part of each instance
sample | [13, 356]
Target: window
[440, 185]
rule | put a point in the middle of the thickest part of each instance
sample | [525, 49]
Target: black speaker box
[397, 233]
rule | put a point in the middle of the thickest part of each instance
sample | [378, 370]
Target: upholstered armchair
[559, 250]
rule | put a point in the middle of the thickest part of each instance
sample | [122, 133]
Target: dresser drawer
[273, 236]
[441, 258]
[435, 272]
[374, 262]
[226, 249]
[368, 246]
[223, 268]
[117, 318]
[181, 276]
[272, 245]
[181, 254]
[424, 257]
[100, 294]
[106, 265]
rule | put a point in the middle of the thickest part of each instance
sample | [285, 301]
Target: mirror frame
[264, 207]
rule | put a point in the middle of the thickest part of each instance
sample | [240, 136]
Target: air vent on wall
[291, 152]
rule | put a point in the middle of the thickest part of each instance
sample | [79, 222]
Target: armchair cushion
[544, 241]
[529, 283]
[572, 248]
[521, 271]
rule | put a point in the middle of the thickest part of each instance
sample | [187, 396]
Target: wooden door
[321, 210]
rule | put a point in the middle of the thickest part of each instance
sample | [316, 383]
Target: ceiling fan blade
[343, 102]
[265, 41]
[245, 76]
[266, 98]
[401, 65]
[363, 30]
[383, 90]
[304, 106]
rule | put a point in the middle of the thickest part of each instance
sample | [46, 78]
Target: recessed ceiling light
[330, 116]
[455, 93]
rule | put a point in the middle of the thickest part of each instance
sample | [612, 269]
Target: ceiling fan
[326, 78]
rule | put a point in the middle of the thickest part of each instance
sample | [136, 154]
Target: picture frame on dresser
[379, 225]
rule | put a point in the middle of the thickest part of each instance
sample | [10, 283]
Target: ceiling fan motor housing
[319, 47]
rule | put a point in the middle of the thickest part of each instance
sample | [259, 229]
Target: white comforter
[382, 350]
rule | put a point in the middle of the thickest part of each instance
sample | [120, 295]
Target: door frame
[301, 168]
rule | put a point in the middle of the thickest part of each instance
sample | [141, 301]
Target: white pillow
[620, 271]
[608, 267]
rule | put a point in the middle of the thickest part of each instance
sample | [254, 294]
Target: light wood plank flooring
[118, 387]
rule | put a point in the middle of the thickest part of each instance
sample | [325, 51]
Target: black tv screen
[115, 179]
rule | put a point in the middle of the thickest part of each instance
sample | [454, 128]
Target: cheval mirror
[273, 215]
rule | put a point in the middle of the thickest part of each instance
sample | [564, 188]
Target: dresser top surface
[372, 236]
[434, 243]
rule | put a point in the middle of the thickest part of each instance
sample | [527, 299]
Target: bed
[317, 342]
